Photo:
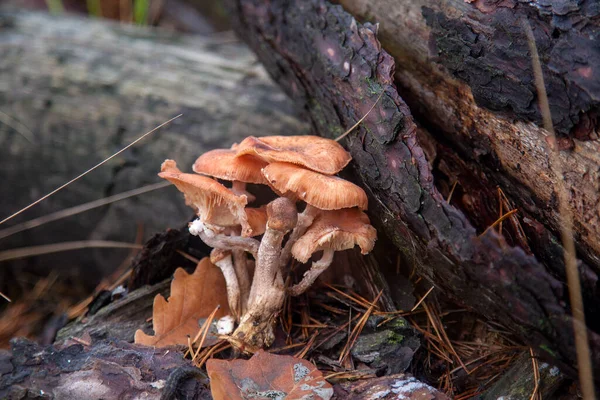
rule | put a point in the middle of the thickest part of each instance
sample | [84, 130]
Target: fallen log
[74, 91]
[465, 71]
[85, 369]
[335, 68]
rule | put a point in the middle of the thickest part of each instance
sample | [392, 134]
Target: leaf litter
[267, 376]
[193, 296]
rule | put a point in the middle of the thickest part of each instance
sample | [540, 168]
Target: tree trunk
[336, 69]
[465, 72]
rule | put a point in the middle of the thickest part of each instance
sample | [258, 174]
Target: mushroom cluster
[299, 169]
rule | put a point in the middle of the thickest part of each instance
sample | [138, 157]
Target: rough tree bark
[465, 72]
[334, 67]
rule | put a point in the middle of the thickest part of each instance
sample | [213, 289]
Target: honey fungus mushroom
[296, 168]
[320, 192]
[225, 164]
[312, 152]
[222, 216]
[215, 204]
[332, 231]
[268, 291]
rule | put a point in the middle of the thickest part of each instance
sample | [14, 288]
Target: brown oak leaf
[267, 376]
[192, 297]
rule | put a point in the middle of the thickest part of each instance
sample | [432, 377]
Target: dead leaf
[267, 376]
[192, 297]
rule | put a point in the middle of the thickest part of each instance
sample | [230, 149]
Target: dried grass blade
[31, 251]
[88, 171]
[34, 223]
[584, 362]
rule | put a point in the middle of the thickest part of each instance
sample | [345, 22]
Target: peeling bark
[335, 69]
[465, 71]
[100, 370]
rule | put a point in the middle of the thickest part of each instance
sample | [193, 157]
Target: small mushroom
[267, 292]
[320, 192]
[324, 192]
[331, 231]
[224, 164]
[220, 211]
[215, 204]
[313, 152]
[222, 259]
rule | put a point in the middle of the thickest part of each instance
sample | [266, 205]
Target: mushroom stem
[220, 241]
[239, 188]
[310, 276]
[267, 292]
[267, 263]
[240, 261]
[224, 261]
[305, 219]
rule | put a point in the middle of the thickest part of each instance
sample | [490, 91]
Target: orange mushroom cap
[324, 192]
[215, 204]
[313, 152]
[337, 230]
[224, 164]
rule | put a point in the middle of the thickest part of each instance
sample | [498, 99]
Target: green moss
[397, 323]
[395, 338]
[374, 87]
[318, 114]
[548, 350]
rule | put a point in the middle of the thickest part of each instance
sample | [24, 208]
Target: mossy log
[335, 68]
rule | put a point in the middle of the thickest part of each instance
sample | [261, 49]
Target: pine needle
[343, 135]
[536, 377]
[88, 171]
[206, 328]
[451, 192]
[308, 346]
[422, 299]
[438, 326]
[357, 330]
[499, 220]
[188, 256]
